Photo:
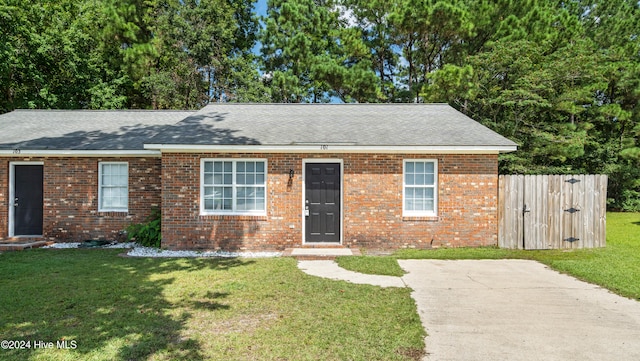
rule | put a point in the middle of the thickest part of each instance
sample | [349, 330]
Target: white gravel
[141, 251]
[63, 245]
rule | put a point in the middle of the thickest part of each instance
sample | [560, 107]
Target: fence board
[551, 211]
[554, 201]
[601, 206]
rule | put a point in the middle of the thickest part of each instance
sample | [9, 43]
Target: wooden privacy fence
[552, 211]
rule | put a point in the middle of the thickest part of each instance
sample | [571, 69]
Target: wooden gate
[552, 211]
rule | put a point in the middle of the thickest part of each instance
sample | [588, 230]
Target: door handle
[15, 202]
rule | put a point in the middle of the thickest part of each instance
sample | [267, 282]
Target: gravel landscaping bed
[136, 250]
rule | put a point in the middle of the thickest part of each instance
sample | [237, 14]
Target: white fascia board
[329, 148]
[78, 153]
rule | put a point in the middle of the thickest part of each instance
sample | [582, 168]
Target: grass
[615, 267]
[117, 308]
[373, 265]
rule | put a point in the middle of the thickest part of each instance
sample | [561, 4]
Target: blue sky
[261, 7]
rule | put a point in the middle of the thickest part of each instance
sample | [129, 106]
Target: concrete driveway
[519, 310]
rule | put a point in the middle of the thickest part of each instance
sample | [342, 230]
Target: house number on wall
[324, 147]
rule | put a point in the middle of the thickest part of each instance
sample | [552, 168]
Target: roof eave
[333, 148]
[79, 153]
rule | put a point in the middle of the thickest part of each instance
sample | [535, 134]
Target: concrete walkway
[509, 310]
[331, 270]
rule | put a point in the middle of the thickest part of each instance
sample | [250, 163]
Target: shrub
[149, 233]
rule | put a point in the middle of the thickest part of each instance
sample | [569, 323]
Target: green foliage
[126, 54]
[310, 55]
[149, 233]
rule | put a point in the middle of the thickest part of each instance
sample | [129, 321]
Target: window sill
[235, 217]
[426, 218]
[103, 213]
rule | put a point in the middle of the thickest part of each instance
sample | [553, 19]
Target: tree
[426, 30]
[310, 56]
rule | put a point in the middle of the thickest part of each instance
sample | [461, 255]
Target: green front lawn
[615, 267]
[116, 308]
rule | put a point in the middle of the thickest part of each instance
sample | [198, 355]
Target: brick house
[254, 176]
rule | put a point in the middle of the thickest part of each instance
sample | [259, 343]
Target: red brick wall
[71, 197]
[372, 207]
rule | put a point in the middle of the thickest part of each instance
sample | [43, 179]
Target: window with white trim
[233, 186]
[420, 193]
[113, 186]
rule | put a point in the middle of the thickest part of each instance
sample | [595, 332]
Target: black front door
[322, 203]
[27, 207]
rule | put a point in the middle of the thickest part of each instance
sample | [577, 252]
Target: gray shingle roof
[247, 124]
[357, 124]
[84, 129]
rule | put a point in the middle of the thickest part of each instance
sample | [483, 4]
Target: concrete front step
[19, 246]
[317, 253]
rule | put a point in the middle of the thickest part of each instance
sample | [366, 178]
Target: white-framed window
[233, 186]
[420, 187]
[113, 186]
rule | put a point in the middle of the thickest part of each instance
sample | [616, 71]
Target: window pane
[240, 179]
[240, 204]
[217, 204]
[217, 167]
[260, 167]
[408, 179]
[228, 192]
[208, 192]
[259, 205]
[227, 167]
[123, 180]
[428, 205]
[228, 179]
[408, 204]
[208, 204]
[250, 179]
[419, 180]
[251, 166]
[208, 179]
[409, 193]
[419, 167]
[428, 193]
[259, 178]
[429, 167]
[410, 167]
[429, 179]
[208, 167]
[240, 167]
